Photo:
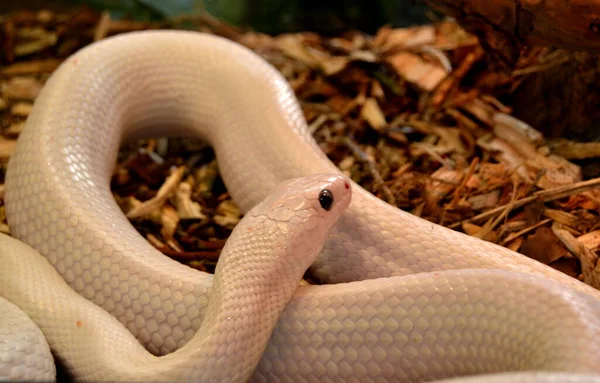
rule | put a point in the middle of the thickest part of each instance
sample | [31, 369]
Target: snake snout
[325, 198]
[334, 193]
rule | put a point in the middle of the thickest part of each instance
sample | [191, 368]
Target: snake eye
[326, 199]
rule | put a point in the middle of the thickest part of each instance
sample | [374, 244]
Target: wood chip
[480, 109]
[7, 147]
[165, 191]
[471, 228]
[373, 114]
[292, 45]
[407, 37]
[510, 122]
[4, 228]
[186, 207]
[169, 221]
[42, 41]
[576, 150]
[228, 214]
[591, 240]
[103, 26]
[31, 67]
[484, 201]
[14, 129]
[333, 65]
[21, 109]
[589, 260]
[414, 69]
[21, 88]
[562, 217]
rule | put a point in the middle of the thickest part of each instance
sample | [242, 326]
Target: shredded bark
[419, 116]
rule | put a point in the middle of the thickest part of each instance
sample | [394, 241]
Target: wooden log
[560, 100]
[572, 24]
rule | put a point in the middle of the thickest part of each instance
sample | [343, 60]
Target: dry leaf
[543, 246]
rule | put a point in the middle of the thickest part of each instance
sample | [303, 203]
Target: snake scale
[404, 299]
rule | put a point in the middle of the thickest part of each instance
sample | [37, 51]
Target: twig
[433, 154]
[102, 27]
[505, 212]
[165, 191]
[364, 157]
[180, 254]
[543, 195]
[516, 235]
[463, 183]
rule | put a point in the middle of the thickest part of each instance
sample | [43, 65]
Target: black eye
[326, 199]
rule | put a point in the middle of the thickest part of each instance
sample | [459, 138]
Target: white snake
[423, 302]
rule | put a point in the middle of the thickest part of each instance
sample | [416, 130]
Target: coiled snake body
[409, 300]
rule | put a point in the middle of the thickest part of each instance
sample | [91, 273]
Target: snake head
[302, 212]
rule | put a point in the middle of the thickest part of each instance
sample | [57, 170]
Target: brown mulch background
[420, 116]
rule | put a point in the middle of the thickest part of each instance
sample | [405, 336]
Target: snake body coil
[422, 302]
